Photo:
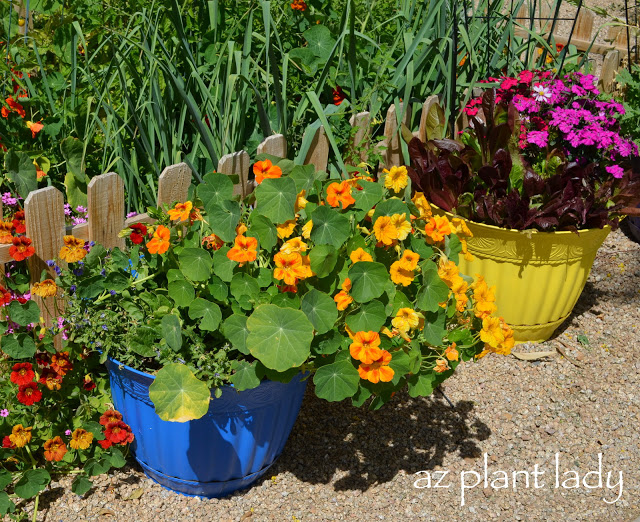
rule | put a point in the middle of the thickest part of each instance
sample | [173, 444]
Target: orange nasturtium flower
[55, 449]
[340, 193]
[397, 178]
[406, 319]
[289, 268]
[81, 439]
[377, 370]
[451, 352]
[285, 229]
[437, 228]
[342, 299]
[422, 205]
[21, 248]
[181, 211]
[400, 275]
[244, 250]
[295, 244]
[484, 298]
[496, 335]
[442, 365]
[403, 227]
[359, 254]
[306, 229]
[212, 242]
[20, 435]
[266, 170]
[385, 230]
[409, 260]
[46, 288]
[6, 232]
[299, 5]
[159, 243]
[366, 347]
[73, 249]
[35, 128]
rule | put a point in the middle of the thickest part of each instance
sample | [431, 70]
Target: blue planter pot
[228, 449]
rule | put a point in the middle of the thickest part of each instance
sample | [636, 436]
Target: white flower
[541, 93]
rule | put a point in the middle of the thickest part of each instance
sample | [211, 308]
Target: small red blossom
[139, 233]
[29, 394]
[338, 95]
[60, 363]
[110, 416]
[118, 433]
[6, 443]
[88, 383]
[22, 373]
[105, 444]
[21, 248]
[5, 296]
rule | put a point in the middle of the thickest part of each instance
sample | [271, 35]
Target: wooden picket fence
[583, 38]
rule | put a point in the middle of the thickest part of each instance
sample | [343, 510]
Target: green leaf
[172, 331]
[329, 227]
[401, 364]
[94, 467]
[81, 485]
[320, 309]
[389, 207]
[245, 375]
[76, 190]
[370, 316]
[323, 259]
[336, 381]
[142, 339]
[178, 395]
[303, 176]
[223, 219]
[433, 291]
[195, 264]
[320, 41]
[218, 288]
[215, 188]
[115, 457]
[222, 265]
[90, 287]
[182, 292]
[117, 281]
[95, 428]
[421, 384]
[452, 248]
[18, 346]
[286, 300]
[235, 330]
[368, 280]
[263, 230]
[209, 313]
[244, 284]
[280, 338]
[329, 343]
[72, 151]
[276, 199]
[419, 246]
[434, 327]
[24, 314]
[6, 478]
[21, 171]
[32, 482]
[6, 504]
[369, 196]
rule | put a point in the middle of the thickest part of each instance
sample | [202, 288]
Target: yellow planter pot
[538, 275]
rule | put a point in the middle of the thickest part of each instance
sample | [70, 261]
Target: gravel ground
[346, 464]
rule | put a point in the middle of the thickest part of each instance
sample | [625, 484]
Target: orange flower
[159, 243]
[437, 228]
[50, 379]
[441, 366]
[360, 255]
[340, 193]
[306, 229]
[400, 275]
[285, 229]
[342, 299]
[451, 353]
[299, 5]
[35, 128]
[385, 230]
[266, 170]
[212, 242]
[366, 347]
[241, 229]
[6, 231]
[181, 211]
[55, 449]
[245, 249]
[346, 285]
[46, 288]
[378, 370]
[422, 205]
[293, 245]
[484, 298]
[16, 107]
[306, 266]
[301, 201]
[409, 260]
[406, 319]
[20, 435]
[21, 248]
[4, 112]
[289, 268]
[73, 249]
[195, 216]
[110, 416]
[403, 227]
[81, 439]
[60, 363]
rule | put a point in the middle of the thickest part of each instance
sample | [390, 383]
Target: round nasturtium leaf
[244, 284]
[320, 309]
[215, 188]
[276, 199]
[178, 395]
[323, 259]
[370, 317]
[32, 482]
[223, 219]
[280, 338]
[195, 264]
[368, 280]
[329, 227]
[336, 381]
[209, 314]
[433, 291]
[182, 292]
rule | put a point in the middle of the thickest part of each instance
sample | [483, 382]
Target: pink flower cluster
[564, 114]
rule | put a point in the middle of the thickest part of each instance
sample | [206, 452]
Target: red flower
[50, 379]
[7, 444]
[60, 363]
[29, 394]
[42, 359]
[4, 111]
[22, 373]
[88, 384]
[105, 444]
[338, 95]
[299, 5]
[110, 416]
[118, 433]
[18, 222]
[21, 248]
[15, 106]
[5, 296]
[138, 234]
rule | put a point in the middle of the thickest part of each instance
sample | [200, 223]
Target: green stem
[35, 508]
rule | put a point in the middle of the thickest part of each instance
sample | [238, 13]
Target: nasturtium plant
[345, 281]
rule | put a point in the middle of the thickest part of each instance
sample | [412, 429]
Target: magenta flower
[539, 138]
[615, 170]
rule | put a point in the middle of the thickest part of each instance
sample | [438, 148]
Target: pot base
[535, 333]
[201, 489]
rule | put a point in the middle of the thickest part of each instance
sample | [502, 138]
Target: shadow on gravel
[373, 446]
[588, 301]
